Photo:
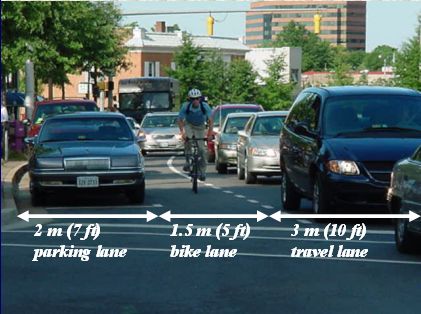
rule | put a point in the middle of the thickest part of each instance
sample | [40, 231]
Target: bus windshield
[145, 101]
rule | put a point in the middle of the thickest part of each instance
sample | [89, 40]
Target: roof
[237, 105]
[271, 113]
[162, 113]
[143, 39]
[363, 90]
[239, 114]
[64, 101]
[88, 114]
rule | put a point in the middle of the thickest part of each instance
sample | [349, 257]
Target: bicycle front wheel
[194, 178]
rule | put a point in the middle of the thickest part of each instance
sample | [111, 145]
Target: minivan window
[417, 155]
[306, 109]
[371, 113]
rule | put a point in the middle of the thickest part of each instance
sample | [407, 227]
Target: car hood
[86, 149]
[265, 142]
[156, 131]
[371, 149]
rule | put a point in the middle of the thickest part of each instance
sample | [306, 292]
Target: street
[261, 278]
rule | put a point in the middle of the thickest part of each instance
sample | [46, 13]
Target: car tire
[406, 241]
[321, 202]
[221, 167]
[249, 177]
[240, 170]
[137, 195]
[291, 199]
[211, 157]
[37, 198]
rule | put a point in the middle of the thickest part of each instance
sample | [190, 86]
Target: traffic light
[211, 21]
[102, 85]
[317, 22]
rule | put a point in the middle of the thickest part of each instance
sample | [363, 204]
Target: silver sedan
[226, 140]
[160, 132]
[258, 146]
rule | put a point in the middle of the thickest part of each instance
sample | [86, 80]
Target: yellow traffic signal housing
[211, 21]
[317, 22]
[102, 85]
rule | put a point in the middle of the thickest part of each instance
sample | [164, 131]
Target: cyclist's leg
[188, 147]
[200, 133]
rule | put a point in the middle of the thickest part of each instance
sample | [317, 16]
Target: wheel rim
[316, 197]
[246, 170]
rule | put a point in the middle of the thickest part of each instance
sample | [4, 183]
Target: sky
[388, 22]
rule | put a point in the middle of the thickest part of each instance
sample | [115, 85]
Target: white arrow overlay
[26, 216]
[258, 216]
[278, 216]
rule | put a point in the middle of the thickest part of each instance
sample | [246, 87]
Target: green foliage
[275, 94]
[317, 54]
[341, 69]
[189, 61]
[61, 37]
[381, 55]
[241, 82]
[214, 69]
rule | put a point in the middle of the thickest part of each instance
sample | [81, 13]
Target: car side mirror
[241, 133]
[29, 141]
[303, 129]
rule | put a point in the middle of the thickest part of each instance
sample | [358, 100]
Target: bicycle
[194, 161]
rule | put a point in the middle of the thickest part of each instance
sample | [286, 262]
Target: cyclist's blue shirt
[195, 116]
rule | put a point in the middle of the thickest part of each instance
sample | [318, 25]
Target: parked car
[134, 125]
[160, 132]
[404, 195]
[226, 140]
[219, 114]
[84, 152]
[339, 144]
[257, 146]
[49, 108]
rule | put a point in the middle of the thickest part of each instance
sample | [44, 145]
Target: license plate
[87, 182]
[163, 144]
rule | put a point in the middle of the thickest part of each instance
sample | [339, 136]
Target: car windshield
[160, 121]
[131, 123]
[45, 111]
[145, 100]
[226, 111]
[86, 129]
[371, 113]
[233, 125]
[268, 125]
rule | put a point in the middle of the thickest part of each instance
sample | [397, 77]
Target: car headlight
[125, 161]
[228, 146]
[345, 167]
[263, 152]
[178, 137]
[49, 163]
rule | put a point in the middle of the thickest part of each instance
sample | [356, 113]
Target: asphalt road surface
[261, 278]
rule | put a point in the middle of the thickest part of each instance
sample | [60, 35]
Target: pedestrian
[4, 129]
[193, 117]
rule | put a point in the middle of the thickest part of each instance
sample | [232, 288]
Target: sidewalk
[11, 172]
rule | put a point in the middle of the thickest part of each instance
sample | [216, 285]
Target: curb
[10, 186]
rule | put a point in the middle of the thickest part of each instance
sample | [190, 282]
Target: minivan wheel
[406, 241]
[240, 170]
[320, 199]
[290, 197]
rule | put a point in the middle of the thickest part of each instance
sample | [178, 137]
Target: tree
[341, 69]
[408, 62]
[214, 69]
[380, 56]
[316, 53]
[189, 61]
[275, 94]
[241, 82]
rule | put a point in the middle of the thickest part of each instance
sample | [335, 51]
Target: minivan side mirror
[303, 129]
[29, 141]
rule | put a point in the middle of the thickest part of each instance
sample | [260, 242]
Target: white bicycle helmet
[194, 93]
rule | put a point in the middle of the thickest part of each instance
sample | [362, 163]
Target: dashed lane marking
[239, 196]
[253, 201]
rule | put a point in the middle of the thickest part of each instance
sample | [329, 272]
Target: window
[306, 109]
[151, 69]
[417, 155]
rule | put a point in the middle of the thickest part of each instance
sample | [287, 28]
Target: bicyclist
[192, 119]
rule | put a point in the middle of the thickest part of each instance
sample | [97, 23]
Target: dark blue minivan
[339, 144]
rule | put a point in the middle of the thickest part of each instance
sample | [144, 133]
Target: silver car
[160, 133]
[258, 146]
[226, 140]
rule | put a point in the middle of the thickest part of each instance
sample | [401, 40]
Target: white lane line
[104, 207]
[169, 226]
[216, 187]
[239, 196]
[213, 236]
[304, 221]
[173, 169]
[157, 205]
[208, 184]
[268, 207]
[228, 192]
[253, 201]
[249, 254]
